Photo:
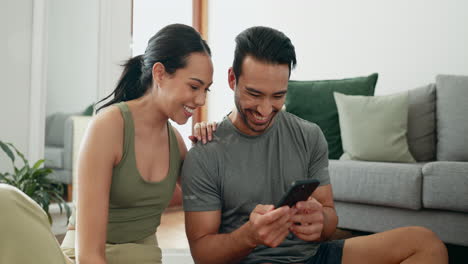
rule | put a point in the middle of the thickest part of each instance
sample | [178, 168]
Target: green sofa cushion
[313, 101]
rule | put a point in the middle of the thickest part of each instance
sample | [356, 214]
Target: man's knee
[426, 239]
[421, 232]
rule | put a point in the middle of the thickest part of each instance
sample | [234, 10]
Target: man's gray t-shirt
[236, 172]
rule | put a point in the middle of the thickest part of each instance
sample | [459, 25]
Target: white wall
[148, 18]
[72, 55]
[406, 42]
[15, 74]
[115, 25]
[19, 35]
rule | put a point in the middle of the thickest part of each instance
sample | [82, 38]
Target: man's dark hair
[264, 44]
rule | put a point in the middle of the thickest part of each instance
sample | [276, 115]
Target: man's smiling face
[259, 92]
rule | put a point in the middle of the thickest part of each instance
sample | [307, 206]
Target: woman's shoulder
[180, 142]
[109, 121]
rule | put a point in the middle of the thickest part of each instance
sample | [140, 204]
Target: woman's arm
[100, 151]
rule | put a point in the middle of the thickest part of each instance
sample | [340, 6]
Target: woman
[130, 158]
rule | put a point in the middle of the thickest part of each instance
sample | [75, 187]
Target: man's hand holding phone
[270, 226]
[295, 212]
[308, 220]
[308, 217]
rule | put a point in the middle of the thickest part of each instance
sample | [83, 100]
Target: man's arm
[330, 221]
[266, 226]
[317, 216]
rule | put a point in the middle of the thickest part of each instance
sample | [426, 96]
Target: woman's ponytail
[129, 86]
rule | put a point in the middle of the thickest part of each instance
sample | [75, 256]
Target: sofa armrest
[75, 128]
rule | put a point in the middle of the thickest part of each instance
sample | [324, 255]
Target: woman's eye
[194, 87]
[207, 90]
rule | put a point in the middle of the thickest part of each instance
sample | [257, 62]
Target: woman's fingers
[203, 131]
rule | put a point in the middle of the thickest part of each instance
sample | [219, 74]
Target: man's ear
[158, 72]
[231, 78]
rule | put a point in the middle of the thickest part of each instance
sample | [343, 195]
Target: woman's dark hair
[264, 44]
[170, 46]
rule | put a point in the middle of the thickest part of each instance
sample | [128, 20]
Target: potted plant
[33, 181]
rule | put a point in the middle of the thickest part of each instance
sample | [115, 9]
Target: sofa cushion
[374, 128]
[445, 185]
[377, 183]
[313, 101]
[421, 122]
[452, 117]
[53, 157]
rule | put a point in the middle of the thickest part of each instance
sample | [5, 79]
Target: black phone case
[299, 191]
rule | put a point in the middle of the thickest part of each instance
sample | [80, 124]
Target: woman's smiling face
[185, 90]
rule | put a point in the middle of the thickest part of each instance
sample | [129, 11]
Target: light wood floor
[171, 232]
[172, 238]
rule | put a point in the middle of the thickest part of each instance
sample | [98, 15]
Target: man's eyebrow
[281, 92]
[200, 81]
[252, 90]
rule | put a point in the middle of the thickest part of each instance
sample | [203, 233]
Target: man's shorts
[329, 252]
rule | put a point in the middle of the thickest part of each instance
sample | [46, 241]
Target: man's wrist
[326, 232]
[247, 234]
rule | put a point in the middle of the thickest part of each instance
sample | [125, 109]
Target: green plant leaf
[41, 173]
[8, 151]
[45, 200]
[33, 181]
[61, 202]
[6, 178]
[21, 177]
[26, 163]
[38, 164]
[31, 188]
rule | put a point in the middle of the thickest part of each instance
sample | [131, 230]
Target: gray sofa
[64, 132]
[58, 147]
[378, 196]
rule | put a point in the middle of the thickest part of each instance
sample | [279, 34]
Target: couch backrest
[452, 117]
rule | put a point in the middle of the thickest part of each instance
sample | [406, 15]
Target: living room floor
[174, 245]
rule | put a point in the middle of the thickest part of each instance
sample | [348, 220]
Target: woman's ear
[158, 72]
[231, 78]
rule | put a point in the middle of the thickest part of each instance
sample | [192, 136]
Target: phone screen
[299, 191]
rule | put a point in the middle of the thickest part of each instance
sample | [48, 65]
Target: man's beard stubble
[244, 116]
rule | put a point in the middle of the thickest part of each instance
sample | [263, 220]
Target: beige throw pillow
[374, 128]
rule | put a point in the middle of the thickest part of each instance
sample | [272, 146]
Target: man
[231, 183]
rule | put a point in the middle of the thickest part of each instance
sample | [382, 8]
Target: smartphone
[299, 191]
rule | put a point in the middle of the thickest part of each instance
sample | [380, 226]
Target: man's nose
[265, 108]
